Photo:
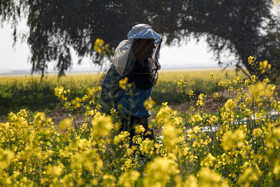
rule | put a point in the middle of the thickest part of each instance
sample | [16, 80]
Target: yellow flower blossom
[251, 59]
[127, 179]
[207, 177]
[257, 132]
[276, 169]
[108, 180]
[99, 45]
[6, 158]
[159, 171]
[170, 135]
[196, 118]
[208, 161]
[191, 93]
[249, 175]
[123, 83]
[191, 181]
[139, 129]
[55, 171]
[101, 125]
[216, 95]
[124, 135]
[149, 103]
[181, 83]
[233, 139]
[200, 102]
[65, 124]
[257, 90]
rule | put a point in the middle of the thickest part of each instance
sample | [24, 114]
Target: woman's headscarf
[124, 57]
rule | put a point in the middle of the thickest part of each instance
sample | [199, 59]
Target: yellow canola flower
[251, 59]
[149, 103]
[257, 132]
[216, 95]
[196, 129]
[98, 45]
[65, 124]
[269, 91]
[159, 171]
[191, 93]
[276, 132]
[166, 115]
[257, 90]
[191, 181]
[88, 159]
[39, 118]
[229, 105]
[181, 83]
[254, 79]
[147, 146]
[101, 125]
[6, 158]
[55, 171]
[139, 129]
[211, 75]
[76, 103]
[60, 92]
[200, 102]
[208, 161]
[124, 135]
[196, 118]
[233, 139]
[207, 177]
[170, 137]
[212, 120]
[123, 83]
[236, 80]
[128, 178]
[276, 169]
[249, 175]
[247, 82]
[108, 180]
[264, 66]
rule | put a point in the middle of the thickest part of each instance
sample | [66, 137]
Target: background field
[17, 92]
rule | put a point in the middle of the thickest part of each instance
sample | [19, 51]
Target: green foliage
[243, 27]
[36, 95]
[33, 96]
[57, 26]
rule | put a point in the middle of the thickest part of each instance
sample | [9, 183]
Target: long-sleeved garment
[132, 101]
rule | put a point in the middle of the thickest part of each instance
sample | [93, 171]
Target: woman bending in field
[135, 61]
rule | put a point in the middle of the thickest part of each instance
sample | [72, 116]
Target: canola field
[237, 145]
[17, 92]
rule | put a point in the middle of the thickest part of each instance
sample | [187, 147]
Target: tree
[244, 27]
[56, 26]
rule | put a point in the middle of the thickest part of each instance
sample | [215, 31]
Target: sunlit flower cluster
[262, 66]
[100, 46]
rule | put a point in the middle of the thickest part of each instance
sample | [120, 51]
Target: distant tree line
[244, 27]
